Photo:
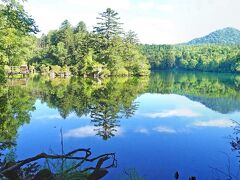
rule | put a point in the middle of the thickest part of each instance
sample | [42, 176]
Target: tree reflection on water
[109, 100]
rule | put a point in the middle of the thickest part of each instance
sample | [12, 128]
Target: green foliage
[44, 69]
[108, 25]
[86, 66]
[74, 70]
[61, 53]
[100, 53]
[2, 75]
[31, 69]
[81, 27]
[16, 104]
[65, 69]
[16, 17]
[216, 58]
[120, 71]
[235, 66]
[56, 69]
[105, 73]
[17, 46]
[131, 37]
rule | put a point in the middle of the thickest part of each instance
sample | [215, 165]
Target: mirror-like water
[157, 125]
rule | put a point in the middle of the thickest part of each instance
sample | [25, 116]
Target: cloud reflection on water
[87, 131]
[173, 113]
[220, 123]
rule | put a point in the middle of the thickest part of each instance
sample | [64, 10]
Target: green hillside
[223, 36]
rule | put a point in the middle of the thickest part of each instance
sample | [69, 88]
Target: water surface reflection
[172, 121]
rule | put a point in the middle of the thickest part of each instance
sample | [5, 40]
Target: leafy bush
[74, 70]
[120, 72]
[44, 69]
[56, 69]
[105, 72]
[31, 69]
[2, 75]
[6, 69]
[65, 69]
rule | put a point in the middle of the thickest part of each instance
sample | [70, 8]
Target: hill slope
[223, 36]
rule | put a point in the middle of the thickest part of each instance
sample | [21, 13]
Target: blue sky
[155, 21]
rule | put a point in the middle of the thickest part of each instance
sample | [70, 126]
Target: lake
[157, 125]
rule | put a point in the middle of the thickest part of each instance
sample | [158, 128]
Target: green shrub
[65, 69]
[56, 69]
[120, 72]
[2, 75]
[44, 69]
[105, 72]
[74, 70]
[31, 68]
[6, 69]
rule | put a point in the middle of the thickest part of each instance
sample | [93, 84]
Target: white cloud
[155, 21]
[221, 123]
[87, 131]
[164, 129]
[56, 117]
[96, 4]
[173, 113]
[142, 130]
[49, 117]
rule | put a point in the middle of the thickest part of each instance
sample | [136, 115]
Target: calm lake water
[157, 125]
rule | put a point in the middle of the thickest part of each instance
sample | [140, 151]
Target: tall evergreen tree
[109, 25]
[81, 27]
[131, 37]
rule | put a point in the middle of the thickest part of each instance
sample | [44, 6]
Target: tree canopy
[102, 52]
[107, 50]
[225, 36]
[215, 58]
[16, 43]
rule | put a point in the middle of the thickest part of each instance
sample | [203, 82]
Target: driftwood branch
[68, 156]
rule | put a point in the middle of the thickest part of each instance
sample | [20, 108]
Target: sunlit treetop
[13, 15]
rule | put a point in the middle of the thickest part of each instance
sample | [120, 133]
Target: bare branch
[64, 156]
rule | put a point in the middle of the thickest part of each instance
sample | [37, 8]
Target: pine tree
[108, 25]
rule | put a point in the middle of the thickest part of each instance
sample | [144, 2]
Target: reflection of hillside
[219, 92]
[222, 105]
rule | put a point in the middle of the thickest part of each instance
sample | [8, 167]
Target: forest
[206, 57]
[107, 50]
